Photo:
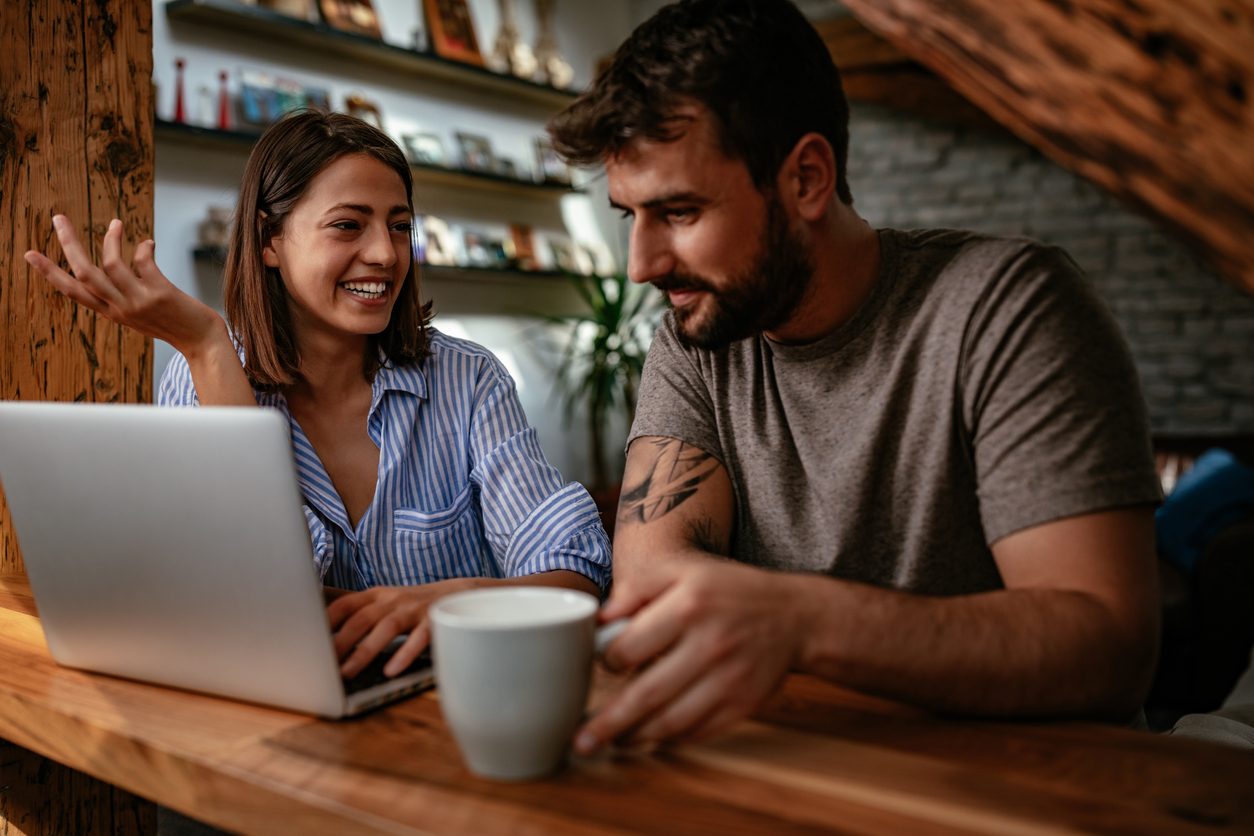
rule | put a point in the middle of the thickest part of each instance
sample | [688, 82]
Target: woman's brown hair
[284, 162]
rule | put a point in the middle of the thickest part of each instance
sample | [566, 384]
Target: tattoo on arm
[677, 471]
[701, 534]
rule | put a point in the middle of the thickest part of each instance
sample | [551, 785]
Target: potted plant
[600, 366]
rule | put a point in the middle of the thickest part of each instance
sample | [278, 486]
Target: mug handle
[606, 634]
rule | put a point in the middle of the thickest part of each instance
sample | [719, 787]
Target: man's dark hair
[757, 65]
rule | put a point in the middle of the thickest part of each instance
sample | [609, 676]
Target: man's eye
[627, 214]
[679, 214]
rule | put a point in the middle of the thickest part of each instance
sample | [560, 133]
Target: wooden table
[817, 760]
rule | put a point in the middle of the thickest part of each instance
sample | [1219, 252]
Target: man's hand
[364, 623]
[723, 636]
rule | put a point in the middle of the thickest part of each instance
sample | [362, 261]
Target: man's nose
[650, 256]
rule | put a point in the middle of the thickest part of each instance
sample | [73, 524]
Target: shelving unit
[431, 174]
[240, 17]
[476, 290]
[217, 257]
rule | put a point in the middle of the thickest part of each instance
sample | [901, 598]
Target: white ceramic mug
[513, 665]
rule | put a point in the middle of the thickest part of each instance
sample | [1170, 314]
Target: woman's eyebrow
[366, 210]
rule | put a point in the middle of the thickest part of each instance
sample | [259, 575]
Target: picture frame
[550, 165]
[425, 149]
[506, 168]
[476, 152]
[264, 98]
[523, 244]
[364, 109]
[451, 31]
[441, 248]
[356, 17]
[299, 9]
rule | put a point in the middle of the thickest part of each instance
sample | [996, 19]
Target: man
[925, 453]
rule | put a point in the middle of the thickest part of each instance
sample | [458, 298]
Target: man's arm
[676, 503]
[1074, 631]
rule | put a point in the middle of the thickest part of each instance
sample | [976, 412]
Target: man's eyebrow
[667, 200]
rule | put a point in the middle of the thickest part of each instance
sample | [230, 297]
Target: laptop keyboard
[373, 675]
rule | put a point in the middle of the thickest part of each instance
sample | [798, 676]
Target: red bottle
[224, 104]
[178, 91]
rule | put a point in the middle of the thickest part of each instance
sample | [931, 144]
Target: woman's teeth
[366, 290]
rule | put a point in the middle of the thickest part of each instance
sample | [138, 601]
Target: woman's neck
[330, 365]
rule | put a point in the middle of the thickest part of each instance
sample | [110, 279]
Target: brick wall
[1191, 333]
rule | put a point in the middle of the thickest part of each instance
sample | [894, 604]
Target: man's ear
[807, 179]
[269, 257]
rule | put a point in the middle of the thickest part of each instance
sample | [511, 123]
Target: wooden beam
[75, 138]
[1150, 99]
[875, 71]
[854, 47]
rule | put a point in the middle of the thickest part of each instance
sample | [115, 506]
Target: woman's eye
[346, 225]
[403, 227]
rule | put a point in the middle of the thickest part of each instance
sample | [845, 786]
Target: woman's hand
[144, 300]
[364, 623]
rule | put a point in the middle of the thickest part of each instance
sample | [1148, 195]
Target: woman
[420, 474]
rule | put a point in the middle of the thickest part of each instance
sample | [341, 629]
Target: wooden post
[75, 139]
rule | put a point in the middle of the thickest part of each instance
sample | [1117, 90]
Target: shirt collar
[405, 379]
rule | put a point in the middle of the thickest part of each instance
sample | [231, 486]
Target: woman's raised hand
[144, 300]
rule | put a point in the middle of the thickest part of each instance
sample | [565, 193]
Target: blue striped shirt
[463, 488]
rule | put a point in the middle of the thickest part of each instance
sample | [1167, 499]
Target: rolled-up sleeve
[176, 388]
[532, 521]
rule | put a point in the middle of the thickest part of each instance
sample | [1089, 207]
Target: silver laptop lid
[168, 545]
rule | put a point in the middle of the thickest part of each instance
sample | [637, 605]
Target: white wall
[191, 178]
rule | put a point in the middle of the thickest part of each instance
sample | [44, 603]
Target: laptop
[168, 545]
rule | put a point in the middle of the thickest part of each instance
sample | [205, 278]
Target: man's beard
[759, 299]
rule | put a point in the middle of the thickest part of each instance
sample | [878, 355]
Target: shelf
[239, 17]
[429, 174]
[439, 272]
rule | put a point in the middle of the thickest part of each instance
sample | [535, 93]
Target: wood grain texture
[75, 138]
[39, 797]
[1150, 99]
[816, 760]
[876, 71]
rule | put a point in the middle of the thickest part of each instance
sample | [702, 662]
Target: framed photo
[441, 249]
[506, 168]
[523, 244]
[364, 109]
[264, 98]
[563, 250]
[552, 168]
[450, 31]
[354, 16]
[476, 152]
[425, 149]
[298, 9]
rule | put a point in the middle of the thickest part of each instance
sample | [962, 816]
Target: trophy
[510, 54]
[553, 68]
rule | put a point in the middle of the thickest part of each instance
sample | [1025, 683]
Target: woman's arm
[148, 302]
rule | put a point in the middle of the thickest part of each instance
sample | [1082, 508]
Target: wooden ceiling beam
[875, 71]
[1150, 99]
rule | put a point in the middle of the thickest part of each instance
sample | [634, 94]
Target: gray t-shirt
[981, 389]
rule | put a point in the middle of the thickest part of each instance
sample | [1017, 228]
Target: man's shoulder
[965, 250]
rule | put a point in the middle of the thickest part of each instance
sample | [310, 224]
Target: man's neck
[846, 254]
